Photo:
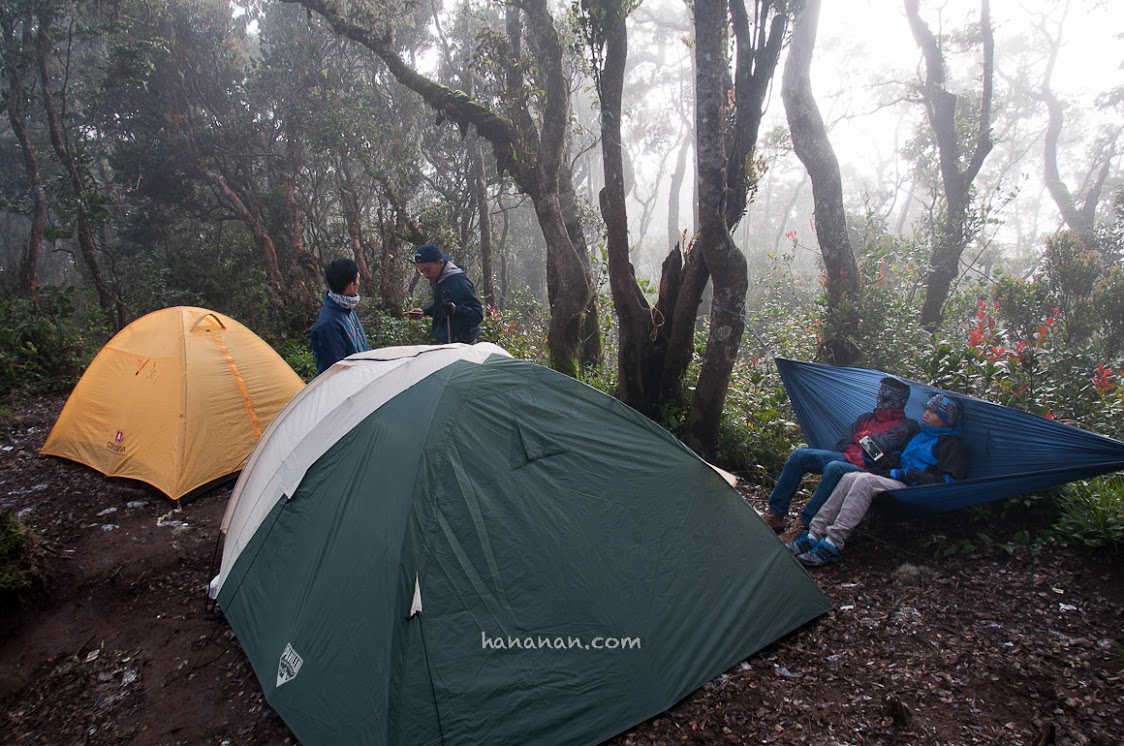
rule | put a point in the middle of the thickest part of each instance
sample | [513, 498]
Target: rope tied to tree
[738, 314]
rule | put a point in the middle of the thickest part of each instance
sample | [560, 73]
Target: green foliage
[298, 354]
[758, 429]
[520, 328]
[22, 559]
[384, 330]
[1092, 514]
[45, 342]
[1032, 373]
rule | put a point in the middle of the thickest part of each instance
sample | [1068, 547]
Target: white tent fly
[315, 419]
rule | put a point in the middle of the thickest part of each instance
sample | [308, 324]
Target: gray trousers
[847, 505]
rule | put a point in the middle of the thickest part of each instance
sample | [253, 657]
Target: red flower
[1105, 380]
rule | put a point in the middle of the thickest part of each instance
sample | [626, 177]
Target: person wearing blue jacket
[338, 332]
[456, 311]
[934, 455]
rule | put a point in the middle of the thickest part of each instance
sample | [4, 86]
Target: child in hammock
[934, 455]
[866, 445]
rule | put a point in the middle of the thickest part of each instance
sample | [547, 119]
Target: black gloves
[451, 308]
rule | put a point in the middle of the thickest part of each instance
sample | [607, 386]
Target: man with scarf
[884, 431]
[934, 455]
[456, 311]
[338, 332]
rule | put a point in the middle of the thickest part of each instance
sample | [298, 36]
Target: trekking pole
[448, 328]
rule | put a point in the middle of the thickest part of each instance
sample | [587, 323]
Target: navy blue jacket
[455, 287]
[336, 334]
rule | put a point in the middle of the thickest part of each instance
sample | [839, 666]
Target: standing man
[456, 311]
[338, 332]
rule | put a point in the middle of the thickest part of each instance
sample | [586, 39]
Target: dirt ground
[999, 645]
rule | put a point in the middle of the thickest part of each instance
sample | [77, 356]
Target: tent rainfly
[177, 399]
[445, 545]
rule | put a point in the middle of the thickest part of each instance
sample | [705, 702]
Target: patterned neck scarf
[347, 301]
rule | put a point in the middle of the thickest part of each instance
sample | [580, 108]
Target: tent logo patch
[289, 665]
[116, 446]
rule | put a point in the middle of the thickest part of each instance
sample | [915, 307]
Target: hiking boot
[774, 521]
[794, 533]
[823, 553]
[801, 544]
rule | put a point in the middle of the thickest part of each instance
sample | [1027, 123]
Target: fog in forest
[865, 65]
[160, 141]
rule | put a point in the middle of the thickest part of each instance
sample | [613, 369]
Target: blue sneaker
[823, 553]
[801, 544]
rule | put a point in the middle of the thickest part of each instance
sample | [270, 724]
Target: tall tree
[603, 24]
[531, 152]
[18, 51]
[657, 343]
[810, 141]
[725, 182]
[959, 164]
[83, 187]
[1081, 216]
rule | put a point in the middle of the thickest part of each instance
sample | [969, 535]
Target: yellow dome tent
[177, 399]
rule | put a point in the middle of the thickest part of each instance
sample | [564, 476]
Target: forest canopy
[653, 196]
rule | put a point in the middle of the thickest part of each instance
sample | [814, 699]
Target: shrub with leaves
[45, 342]
[384, 330]
[758, 429]
[22, 560]
[298, 354]
[520, 327]
[1092, 514]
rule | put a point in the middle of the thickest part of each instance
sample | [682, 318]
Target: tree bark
[484, 210]
[674, 229]
[810, 141]
[268, 250]
[349, 202]
[110, 303]
[940, 106]
[636, 376]
[533, 159]
[16, 63]
[723, 261]
[1079, 218]
[303, 271]
[759, 43]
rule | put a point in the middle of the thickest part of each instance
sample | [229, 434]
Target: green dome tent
[492, 552]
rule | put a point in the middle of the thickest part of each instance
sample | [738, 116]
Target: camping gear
[484, 550]
[1012, 452]
[177, 399]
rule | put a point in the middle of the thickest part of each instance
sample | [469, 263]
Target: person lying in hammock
[934, 455]
[871, 440]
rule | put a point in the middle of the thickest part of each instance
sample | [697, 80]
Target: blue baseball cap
[428, 252]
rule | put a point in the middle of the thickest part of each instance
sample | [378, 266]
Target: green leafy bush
[45, 342]
[22, 560]
[1092, 514]
[758, 429]
[298, 354]
[520, 328]
[395, 331]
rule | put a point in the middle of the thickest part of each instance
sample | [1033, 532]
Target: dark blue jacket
[933, 456]
[336, 334]
[454, 287]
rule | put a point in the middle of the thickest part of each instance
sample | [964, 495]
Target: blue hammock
[1012, 452]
